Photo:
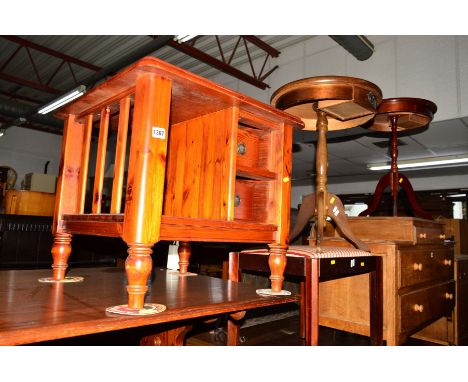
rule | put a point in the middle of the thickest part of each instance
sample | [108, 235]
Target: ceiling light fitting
[423, 162]
[63, 100]
[456, 196]
[184, 38]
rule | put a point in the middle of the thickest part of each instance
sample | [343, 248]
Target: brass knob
[422, 235]
[442, 236]
[447, 262]
[448, 296]
[237, 200]
[418, 308]
[241, 149]
[417, 266]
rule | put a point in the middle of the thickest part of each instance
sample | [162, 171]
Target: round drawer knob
[241, 149]
[422, 235]
[449, 296]
[447, 262]
[442, 236]
[418, 308]
[237, 200]
[417, 266]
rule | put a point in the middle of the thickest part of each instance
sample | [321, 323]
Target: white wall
[431, 67]
[28, 151]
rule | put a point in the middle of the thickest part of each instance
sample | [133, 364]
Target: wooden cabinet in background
[417, 274]
[22, 202]
[457, 230]
[454, 330]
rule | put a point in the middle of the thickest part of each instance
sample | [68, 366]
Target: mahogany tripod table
[32, 312]
[329, 103]
[394, 115]
[205, 164]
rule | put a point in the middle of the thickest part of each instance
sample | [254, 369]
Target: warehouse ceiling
[36, 69]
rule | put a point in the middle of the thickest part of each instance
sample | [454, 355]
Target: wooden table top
[31, 311]
[348, 101]
[412, 113]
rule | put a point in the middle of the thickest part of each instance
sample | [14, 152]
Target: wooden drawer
[248, 142]
[425, 305]
[253, 149]
[429, 234]
[253, 201]
[401, 229]
[422, 265]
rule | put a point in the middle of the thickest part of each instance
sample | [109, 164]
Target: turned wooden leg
[61, 250]
[277, 263]
[184, 252]
[321, 166]
[394, 166]
[138, 267]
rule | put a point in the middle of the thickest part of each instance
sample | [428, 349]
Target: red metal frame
[40, 84]
[225, 65]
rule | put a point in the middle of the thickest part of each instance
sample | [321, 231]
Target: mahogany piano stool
[205, 164]
[395, 115]
[315, 265]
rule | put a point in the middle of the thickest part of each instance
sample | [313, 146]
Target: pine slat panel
[100, 161]
[208, 164]
[175, 166]
[194, 146]
[85, 161]
[120, 155]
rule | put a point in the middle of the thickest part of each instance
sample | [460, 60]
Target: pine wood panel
[100, 161]
[85, 161]
[120, 152]
[201, 151]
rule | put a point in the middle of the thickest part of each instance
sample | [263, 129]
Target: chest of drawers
[418, 282]
[452, 330]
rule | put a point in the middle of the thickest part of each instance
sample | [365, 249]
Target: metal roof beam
[218, 64]
[50, 52]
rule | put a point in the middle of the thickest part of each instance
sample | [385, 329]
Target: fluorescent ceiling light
[184, 37]
[66, 98]
[456, 195]
[423, 162]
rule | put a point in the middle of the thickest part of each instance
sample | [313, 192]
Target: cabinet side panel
[200, 166]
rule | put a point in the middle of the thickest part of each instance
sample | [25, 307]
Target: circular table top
[412, 113]
[347, 101]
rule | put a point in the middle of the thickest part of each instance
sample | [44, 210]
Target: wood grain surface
[31, 311]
